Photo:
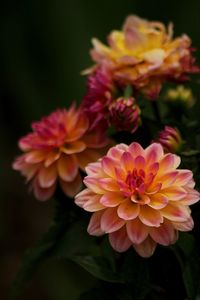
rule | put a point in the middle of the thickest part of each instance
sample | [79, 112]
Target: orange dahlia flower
[144, 54]
[59, 145]
[138, 197]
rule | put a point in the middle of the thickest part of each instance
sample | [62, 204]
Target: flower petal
[111, 199]
[192, 197]
[47, 176]
[94, 169]
[89, 201]
[184, 226]
[110, 221]
[165, 234]
[167, 179]
[116, 152]
[137, 231]
[154, 188]
[169, 162]
[139, 162]
[150, 216]
[76, 126]
[73, 147]
[128, 210]
[119, 240]
[146, 248]
[73, 187]
[35, 156]
[109, 184]
[94, 227]
[176, 213]
[93, 204]
[153, 153]
[41, 193]
[67, 167]
[183, 177]
[83, 197]
[108, 166]
[158, 201]
[127, 162]
[174, 193]
[51, 157]
[136, 149]
[93, 184]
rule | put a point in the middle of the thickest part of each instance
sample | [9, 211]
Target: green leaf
[99, 267]
[96, 258]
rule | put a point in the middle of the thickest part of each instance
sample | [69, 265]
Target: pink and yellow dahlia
[59, 145]
[144, 54]
[138, 197]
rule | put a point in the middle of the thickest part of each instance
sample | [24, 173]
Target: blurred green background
[44, 46]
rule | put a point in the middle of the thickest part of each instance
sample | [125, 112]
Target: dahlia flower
[138, 197]
[59, 145]
[170, 139]
[124, 114]
[144, 55]
[98, 97]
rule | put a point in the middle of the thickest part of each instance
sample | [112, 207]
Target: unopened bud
[124, 114]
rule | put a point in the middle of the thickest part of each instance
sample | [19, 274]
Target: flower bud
[170, 138]
[180, 95]
[124, 114]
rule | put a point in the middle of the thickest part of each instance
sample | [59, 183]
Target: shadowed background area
[44, 46]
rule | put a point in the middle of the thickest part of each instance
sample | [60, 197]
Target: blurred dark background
[44, 46]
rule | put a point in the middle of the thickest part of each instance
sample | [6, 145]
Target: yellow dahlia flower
[144, 54]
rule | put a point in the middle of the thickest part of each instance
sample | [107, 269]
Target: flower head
[98, 97]
[180, 95]
[124, 114]
[59, 145]
[144, 54]
[170, 139]
[138, 197]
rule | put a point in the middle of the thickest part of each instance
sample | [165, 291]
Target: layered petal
[58, 146]
[67, 167]
[94, 227]
[47, 176]
[137, 231]
[165, 235]
[128, 210]
[138, 197]
[110, 221]
[119, 240]
[146, 248]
